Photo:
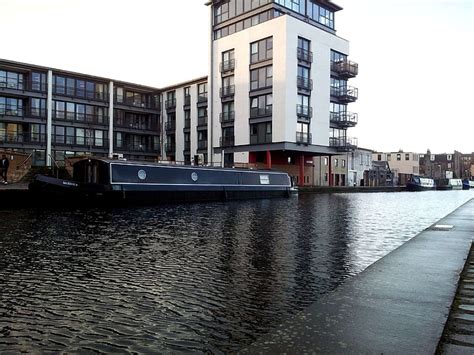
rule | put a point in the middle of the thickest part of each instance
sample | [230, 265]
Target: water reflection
[196, 278]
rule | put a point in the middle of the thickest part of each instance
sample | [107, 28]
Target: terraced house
[277, 95]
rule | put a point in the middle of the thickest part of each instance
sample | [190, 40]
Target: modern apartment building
[276, 96]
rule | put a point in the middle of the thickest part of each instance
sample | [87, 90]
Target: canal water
[190, 278]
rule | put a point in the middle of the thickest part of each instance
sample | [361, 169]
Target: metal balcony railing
[228, 65]
[80, 93]
[303, 111]
[187, 100]
[22, 138]
[187, 146]
[256, 139]
[80, 141]
[260, 112]
[23, 85]
[187, 123]
[170, 126]
[343, 144]
[202, 121]
[344, 119]
[170, 104]
[304, 83]
[303, 138]
[227, 91]
[345, 94]
[228, 141]
[345, 68]
[305, 55]
[202, 98]
[202, 145]
[226, 117]
[80, 117]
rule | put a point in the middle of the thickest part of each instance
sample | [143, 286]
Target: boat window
[264, 179]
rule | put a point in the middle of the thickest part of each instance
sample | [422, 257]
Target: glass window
[99, 138]
[70, 138]
[80, 112]
[70, 86]
[80, 136]
[90, 90]
[70, 111]
[60, 110]
[60, 85]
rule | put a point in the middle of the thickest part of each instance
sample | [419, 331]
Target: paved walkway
[14, 186]
[398, 305]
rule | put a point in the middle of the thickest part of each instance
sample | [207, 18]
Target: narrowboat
[456, 184]
[117, 181]
[467, 184]
[443, 185]
[418, 183]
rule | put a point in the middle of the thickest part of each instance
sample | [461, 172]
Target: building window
[389, 157]
[407, 156]
[202, 92]
[449, 157]
[261, 50]
[228, 61]
[326, 161]
[261, 106]
[261, 133]
[399, 157]
[261, 78]
[432, 157]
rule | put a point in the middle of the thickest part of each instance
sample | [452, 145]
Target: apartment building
[276, 96]
[403, 165]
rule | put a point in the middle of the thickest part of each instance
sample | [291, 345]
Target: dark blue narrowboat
[418, 183]
[114, 181]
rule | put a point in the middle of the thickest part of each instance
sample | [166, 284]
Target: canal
[190, 278]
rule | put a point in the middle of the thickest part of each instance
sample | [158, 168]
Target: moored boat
[443, 184]
[418, 183]
[467, 184]
[112, 181]
[456, 184]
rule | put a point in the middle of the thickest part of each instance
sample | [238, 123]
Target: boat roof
[149, 163]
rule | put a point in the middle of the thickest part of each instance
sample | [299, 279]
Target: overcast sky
[416, 57]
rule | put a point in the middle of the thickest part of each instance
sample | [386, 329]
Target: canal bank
[400, 304]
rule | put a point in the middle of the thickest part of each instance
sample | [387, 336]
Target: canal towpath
[400, 304]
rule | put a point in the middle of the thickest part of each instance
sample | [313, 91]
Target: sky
[416, 57]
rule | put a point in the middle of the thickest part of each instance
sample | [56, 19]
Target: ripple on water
[195, 278]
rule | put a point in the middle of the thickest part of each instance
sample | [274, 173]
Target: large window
[202, 92]
[261, 78]
[261, 50]
[11, 106]
[11, 80]
[232, 8]
[261, 106]
[321, 15]
[38, 107]
[261, 133]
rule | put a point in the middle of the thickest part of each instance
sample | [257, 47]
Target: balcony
[12, 111]
[304, 112]
[227, 91]
[187, 123]
[22, 138]
[187, 100]
[258, 112]
[170, 148]
[202, 121]
[345, 94]
[80, 117]
[202, 98]
[23, 85]
[344, 119]
[345, 68]
[305, 56]
[303, 138]
[187, 146]
[228, 66]
[80, 141]
[343, 144]
[202, 145]
[262, 139]
[170, 104]
[304, 83]
[170, 126]
[227, 117]
[227, 141]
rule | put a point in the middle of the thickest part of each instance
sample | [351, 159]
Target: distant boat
[116, 181]
[456, 184]
[467, 184]
[418, 183]
[443, 184]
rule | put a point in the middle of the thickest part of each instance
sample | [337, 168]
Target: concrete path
[398, 305]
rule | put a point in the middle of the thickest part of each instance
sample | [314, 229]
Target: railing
[6, 110]
[23, 85]
[23, 163]
[80, 93]
[343, 144]
[170, 126]
[260, 112]
[170, 104]
[22, 138]
[228, 65]
[305, 83]
[345, 68]
[202, 98]
[227, 91]
[202, 121]
[305, 55]
[56, 165]
[202, 145]
[346, 119]
[80, 117]
[303, 138]
[227, 141]
[82, 141]
[345, 94]
[228, 116]
[187, 100]
[143, 148]
[255, 139]
[187, 123]
[170, 147]
[148, 125]
[303, 111]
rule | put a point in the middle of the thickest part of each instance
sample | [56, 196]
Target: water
[190, 278]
